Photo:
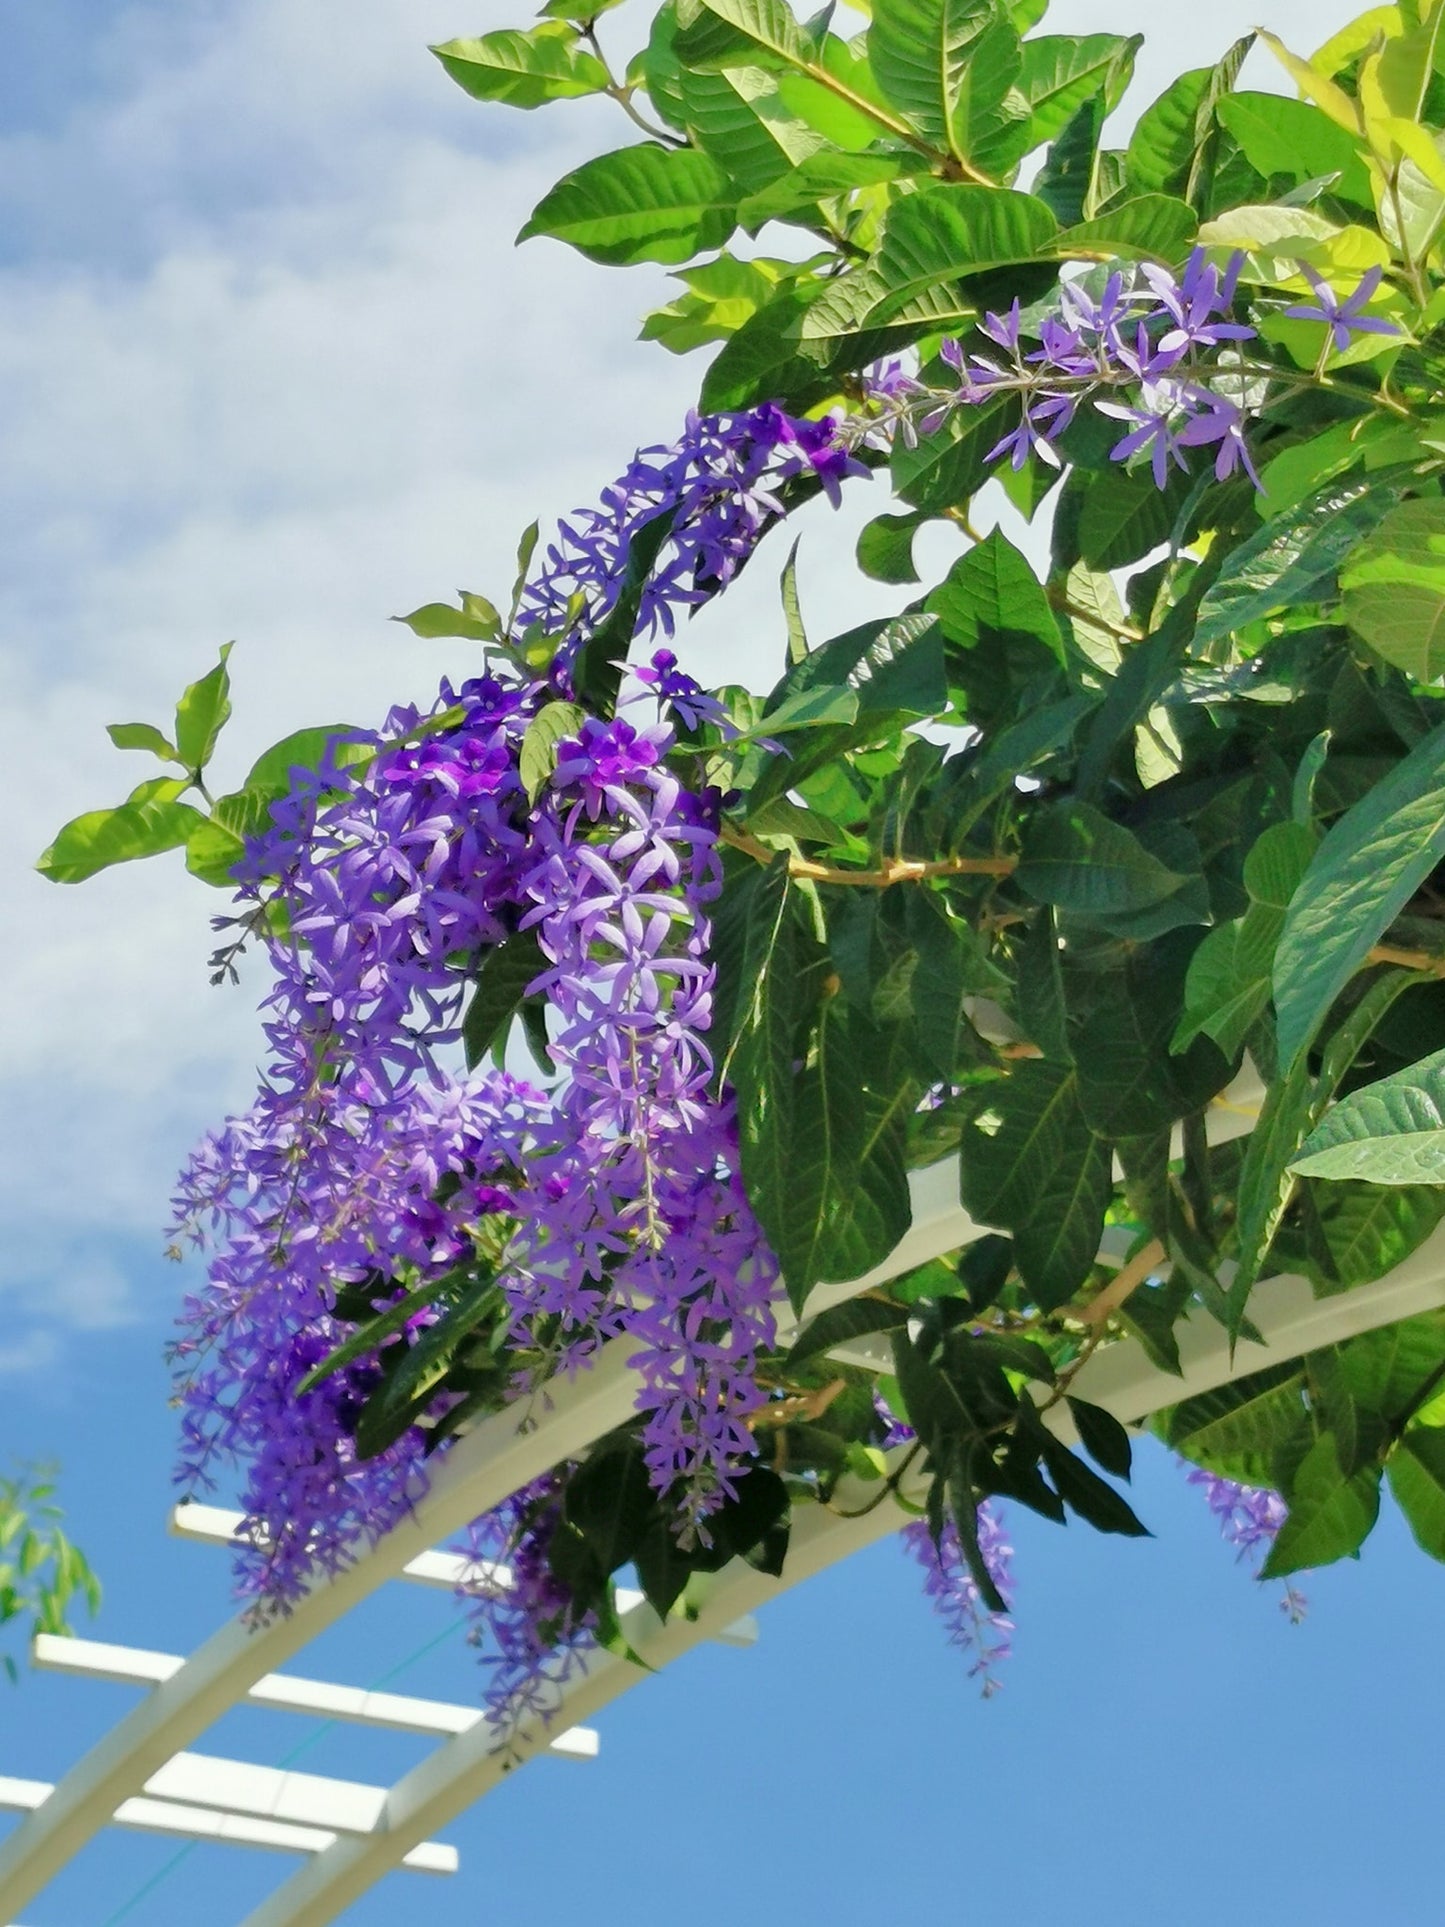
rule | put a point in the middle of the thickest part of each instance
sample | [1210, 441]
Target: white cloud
[270, 369]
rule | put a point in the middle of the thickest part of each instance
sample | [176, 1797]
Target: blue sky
[270, 369]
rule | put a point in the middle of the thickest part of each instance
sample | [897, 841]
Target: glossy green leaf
[1061, 71]
[1294, 559]
[202, 713]
[1236, 1429]
[437, 619]
[1077, 859]
[1154, 227]
[524, 69]
[1330, 1516]
[1293, 138]
[537, 757]
[503, 978]
[307, 749]
[1391, 1132]
[885, 547]
[767, 26]
[1030, 1165]
[100, 838]
[1231, 973]
[1394, 589]
[738, 116]
[992, 592]
[142, 736]
[944, 64]
[1368, 867]
[1416, 1471]
[640, 203]
[854, 1318]
[212, 853]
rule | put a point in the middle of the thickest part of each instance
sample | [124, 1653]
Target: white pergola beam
[288, 1692]
[145, 1815]
[465, 1769]
[446, 1571]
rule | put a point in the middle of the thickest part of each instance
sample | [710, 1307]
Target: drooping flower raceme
[377, 889]
[1249, 1519]
[954, 1592]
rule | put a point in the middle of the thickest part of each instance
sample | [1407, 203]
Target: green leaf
[1079, 860]
[142, 736]
[201, 715]
[1154, 226]
[768, 25]
[1389, 1370]
[101, 838]
[437, 619]
[1031, 1166]
[943, 64]
[537, 758]
[992, 592]
[1278, 135]
[1231, 972]
[1123, 516]
[642, 203]
[1061, 72]
[1416, 1471]
[739, 117]
[1370, 864]
[1330, 1516]
[524, 69]
[885, 547]
[212, 853]
[502, 980]
[819, 177]
[1293, 559]
[1353, 1233]
[1102, 1437]
[1394, 589]
[1065, 181]
[306, 749]
[1391, 1132]
[1237, 1428]
[611, 1503]
[855, 1318]
[1129, 1084]
[1174, 144]
[1086, 1494]
[932, 239]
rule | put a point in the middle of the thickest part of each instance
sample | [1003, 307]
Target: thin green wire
[287, 1759]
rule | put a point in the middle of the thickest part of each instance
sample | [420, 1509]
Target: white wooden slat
[465, 1769]
[145, 1815]
[446, 1571]
[289, 1693]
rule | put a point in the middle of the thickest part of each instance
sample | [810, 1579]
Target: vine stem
[896, 869]
[1387, 953]
[1122, 1285]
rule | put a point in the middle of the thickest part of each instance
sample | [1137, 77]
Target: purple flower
[1342, 318]
[1249, 1518]
[955, 1595]
[1191, 304]
[1221, 421]
[1156, 429]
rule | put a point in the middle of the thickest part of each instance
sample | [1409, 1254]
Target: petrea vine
[1116, 883]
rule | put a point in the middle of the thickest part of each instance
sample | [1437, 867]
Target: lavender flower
[1249, 1519]
[1343, 318]
[955, 1595]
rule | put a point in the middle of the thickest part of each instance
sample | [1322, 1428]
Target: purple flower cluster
[1249, 1518]
[650, 1232]
[956, 1599]
[720, 482]
[1146, 353]
[523, 1621]
[377, 890]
